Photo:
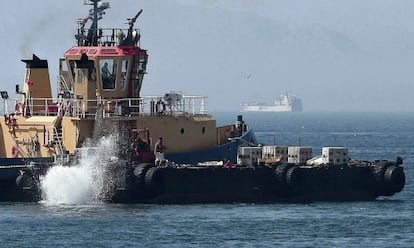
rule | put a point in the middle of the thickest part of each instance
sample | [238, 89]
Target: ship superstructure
[99, 93]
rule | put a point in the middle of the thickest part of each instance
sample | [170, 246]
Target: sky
[354, 55]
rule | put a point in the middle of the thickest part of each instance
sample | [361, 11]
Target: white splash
[81, 183]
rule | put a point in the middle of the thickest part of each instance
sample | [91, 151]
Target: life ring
[15, 151]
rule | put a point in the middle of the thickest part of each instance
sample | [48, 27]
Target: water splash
[85, 182]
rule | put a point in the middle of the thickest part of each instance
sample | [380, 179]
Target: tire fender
[394, 177]
[154, 181]
[25, 180]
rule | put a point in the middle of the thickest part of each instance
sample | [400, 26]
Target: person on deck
[160, 107]
[159, 152]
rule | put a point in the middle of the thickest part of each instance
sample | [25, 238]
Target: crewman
[159, 152]
[160, 107]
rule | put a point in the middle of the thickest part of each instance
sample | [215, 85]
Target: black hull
[285, 183]
[145, 183]
[19, 189]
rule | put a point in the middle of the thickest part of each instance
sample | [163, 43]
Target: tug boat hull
[184, 184]
[265, 184]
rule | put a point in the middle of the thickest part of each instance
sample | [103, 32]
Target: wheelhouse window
[124, 75]
[72, 64]
[108, 73]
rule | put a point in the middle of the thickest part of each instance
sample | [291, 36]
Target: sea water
[84, 182]
[82, 221]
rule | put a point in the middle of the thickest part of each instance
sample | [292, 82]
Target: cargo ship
[193, 160]
[284, 103]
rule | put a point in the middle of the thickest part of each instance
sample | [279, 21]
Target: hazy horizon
[336, 56]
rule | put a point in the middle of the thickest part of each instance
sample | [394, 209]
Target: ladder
[57, 140]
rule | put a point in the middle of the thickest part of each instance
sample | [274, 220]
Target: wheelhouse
[110, 71]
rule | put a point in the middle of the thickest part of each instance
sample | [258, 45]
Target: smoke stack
[37, 82]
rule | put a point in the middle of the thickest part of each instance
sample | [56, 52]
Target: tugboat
[99, 94]
[100, 82]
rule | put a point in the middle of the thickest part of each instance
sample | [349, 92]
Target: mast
[95, 15]
[94, 26]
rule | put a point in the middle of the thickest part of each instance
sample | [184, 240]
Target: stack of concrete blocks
[249, 156]
[335, 155]
[299, 154]
[275, 152]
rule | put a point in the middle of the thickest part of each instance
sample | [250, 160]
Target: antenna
[89, 2]
[95, 14]
[131, 21]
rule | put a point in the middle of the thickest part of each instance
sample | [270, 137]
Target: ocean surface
[386, 222]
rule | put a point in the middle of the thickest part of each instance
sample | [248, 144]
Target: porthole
[182, 131]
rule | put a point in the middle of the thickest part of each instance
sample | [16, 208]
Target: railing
[169, 104]
[111, 36]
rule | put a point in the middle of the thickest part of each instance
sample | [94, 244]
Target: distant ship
[285, 103]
